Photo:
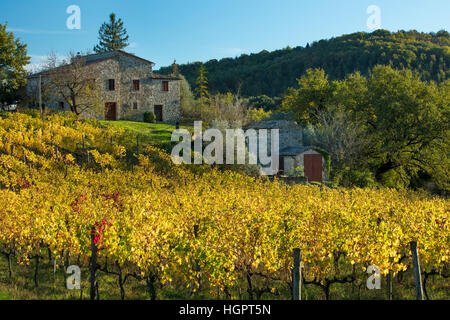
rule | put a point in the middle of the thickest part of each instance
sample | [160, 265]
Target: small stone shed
[292, 152]
[313, 162]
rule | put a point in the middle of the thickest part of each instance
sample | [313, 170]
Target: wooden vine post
[197, 262]
[389, 285]
[137, 144]
[296, 275]
[417, 275]
[93, 266]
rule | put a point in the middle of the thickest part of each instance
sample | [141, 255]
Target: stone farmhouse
[128, 88]
[293, 153]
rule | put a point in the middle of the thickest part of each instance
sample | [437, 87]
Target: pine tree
[112, 35]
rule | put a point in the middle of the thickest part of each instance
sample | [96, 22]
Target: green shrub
[31, 112]
[297, 172]
[353, 178]
[149, 117]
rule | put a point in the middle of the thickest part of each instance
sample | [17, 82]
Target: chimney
[76, 58]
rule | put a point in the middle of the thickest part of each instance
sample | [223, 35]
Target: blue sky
[200, 30]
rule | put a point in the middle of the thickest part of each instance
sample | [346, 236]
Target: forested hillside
[271, 73]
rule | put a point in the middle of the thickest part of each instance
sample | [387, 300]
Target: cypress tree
[112, 35]
[202, 84]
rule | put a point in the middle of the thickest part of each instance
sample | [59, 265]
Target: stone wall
[290, 133]
[105, 70]
[133, 69]
[170, 100]
[131, 104]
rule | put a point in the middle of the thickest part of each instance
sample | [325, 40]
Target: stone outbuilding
[292, 152]
[128, 88]
[312, 161]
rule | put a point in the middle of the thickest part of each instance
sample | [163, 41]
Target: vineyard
[72, 189]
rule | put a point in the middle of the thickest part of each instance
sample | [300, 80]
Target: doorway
[159, 113]
[281, 166]
[110, 111]
[313, 167]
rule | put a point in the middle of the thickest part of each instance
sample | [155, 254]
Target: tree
[112, 35]
[227, 107]
[314, 94]
[34, 90]
[390, 122]
[409, 120]
[202, 85]
[271, 73]
[187, 102]
[342, 137]
[74, 82]
[13, 59]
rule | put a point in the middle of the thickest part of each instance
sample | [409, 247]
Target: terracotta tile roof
[132, 55]
[275, 124]
[157, 76]
[92, 58]
[46, 72]
[293, 151]
[96, 58]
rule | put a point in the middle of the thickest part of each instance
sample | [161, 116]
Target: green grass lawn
[5, 296]
[153, 133]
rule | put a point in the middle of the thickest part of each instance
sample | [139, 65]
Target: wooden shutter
[136, 85]
[165, 86]
[112, 85]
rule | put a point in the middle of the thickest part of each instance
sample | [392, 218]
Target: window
[135, 105]
[136, 85]
[165, 86]
[112, 84]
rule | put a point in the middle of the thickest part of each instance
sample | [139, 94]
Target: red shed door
[313, 167]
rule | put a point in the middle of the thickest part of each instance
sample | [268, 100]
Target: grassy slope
[154, 133]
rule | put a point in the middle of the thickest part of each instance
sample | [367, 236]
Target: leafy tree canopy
[404, 119]
[13, 59]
